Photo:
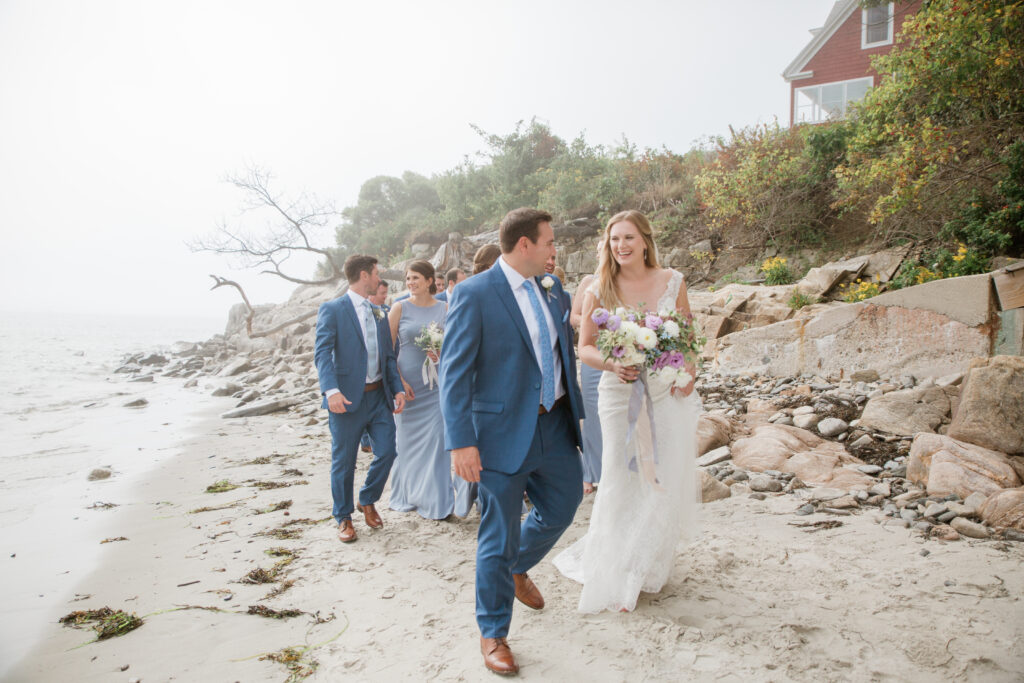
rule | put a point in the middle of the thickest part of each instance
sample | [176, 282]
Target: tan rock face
[1004, 508]
[908, 411]
[945, 465]
[711, 489]
[791, 449]
[713, 431]
[991, 409]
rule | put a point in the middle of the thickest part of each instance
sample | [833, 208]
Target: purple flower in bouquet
[653, 322]
[599, 316]
[614, 323]
[631, 317]
[618, 352]
[676, 359]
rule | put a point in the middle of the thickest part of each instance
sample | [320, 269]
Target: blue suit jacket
[340, 353]
[489, 379]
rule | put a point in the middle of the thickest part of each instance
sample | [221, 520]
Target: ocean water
[62, 414]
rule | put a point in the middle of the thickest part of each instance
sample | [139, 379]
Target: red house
[834, 69]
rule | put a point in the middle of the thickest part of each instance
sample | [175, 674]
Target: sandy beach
[757, 598]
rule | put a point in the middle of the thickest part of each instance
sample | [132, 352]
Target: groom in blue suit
[512, 409]
[359, 380]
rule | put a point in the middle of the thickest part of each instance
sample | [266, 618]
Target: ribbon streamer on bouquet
[429, 373]
[638, 458]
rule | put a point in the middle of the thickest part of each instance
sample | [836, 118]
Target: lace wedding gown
[636, 526]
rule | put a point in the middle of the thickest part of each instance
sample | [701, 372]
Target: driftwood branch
[224, 282]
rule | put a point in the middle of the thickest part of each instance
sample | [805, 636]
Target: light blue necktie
[372, 362]
[547, 358]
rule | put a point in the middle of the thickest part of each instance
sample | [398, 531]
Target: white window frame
[846, 101]
[864, 44]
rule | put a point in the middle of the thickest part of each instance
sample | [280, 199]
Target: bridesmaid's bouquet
[659, 342]
[430, 340]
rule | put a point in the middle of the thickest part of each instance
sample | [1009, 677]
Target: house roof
[840, 12]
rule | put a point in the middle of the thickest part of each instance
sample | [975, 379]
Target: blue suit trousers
[552, 477]
[374, 417]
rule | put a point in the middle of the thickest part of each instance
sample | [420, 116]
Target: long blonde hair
[608, 268]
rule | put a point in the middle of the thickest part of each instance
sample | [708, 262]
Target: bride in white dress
[638, 521]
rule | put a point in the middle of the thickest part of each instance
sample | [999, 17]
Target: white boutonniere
[378, 313]
[547, 282]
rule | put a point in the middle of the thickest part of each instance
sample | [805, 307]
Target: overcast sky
[119, 120]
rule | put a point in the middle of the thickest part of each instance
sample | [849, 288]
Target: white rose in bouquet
[647, 338]
[671, 328]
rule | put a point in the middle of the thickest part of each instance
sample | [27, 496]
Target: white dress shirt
[358, 302]
[518, 284]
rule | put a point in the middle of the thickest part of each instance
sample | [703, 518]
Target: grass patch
[221, 486]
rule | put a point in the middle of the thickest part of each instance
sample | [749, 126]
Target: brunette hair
[518, 223]
[485, 257]
[452, 275]
[608, 267]
[425, 269]
[356, 264]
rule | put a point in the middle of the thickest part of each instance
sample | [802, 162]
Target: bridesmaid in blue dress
[421, 478]
[589, 379]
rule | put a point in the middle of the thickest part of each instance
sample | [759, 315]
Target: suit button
[536, 386]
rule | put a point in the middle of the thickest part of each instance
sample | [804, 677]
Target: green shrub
[776, 271]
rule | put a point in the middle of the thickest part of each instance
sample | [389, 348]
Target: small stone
[832, 426]
[137, 403]
[758, 496]
[908, 514]
[946, 517]
[881, 489]
[869, 469]
[763, 483]
[861, 442]
[843, 503]
[143, 378]
[806, 509]
[740, 475]
[864, 376]
[805, 421]
[923, 526]
[925, 552]
[714, 457]
[968, 528]
[787, 420]
[824, 494]
[794, 484]
[803, 410]
[1013, 535]
[934, 509]
[861, 496]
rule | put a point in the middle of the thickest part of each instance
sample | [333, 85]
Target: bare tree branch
[223, 282]
[290, 232]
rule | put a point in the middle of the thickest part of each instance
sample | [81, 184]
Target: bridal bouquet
[430, 340]
[660, 343]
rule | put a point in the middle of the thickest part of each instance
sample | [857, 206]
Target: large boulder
[945, 465]
[1004, 508]
[991, 410]
[713, 431]
[908, 411]
[791, 449]
[711, 489]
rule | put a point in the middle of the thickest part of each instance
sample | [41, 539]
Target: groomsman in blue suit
[359, 380]
[512, 409]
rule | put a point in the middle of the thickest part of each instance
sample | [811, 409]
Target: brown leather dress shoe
[373, 519]
[498, 657]
[527, 592]
[346, 532]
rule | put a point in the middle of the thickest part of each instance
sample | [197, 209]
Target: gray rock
[975, 500]
[762, 483]
[786, 420]
[825, 494]
[934, 509]
[714, 457]
[805, 421]
[137, 403]
[99, 473]
[262, 408]
[946, 517]
[861, 442]
[864, 376]
[806, 509]
[740, 475]
[803, 410]
[923, 526]
[143, 378]
[970, 529]
[832, 426]
[153, 359]
[1013, 535]
[227, 389]
[882, 488]
[758, 496]
[908, 514]
[869, 469]
[191, 383]
[235, 367]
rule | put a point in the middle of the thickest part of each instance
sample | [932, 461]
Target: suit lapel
[351, 309]
[505, 295]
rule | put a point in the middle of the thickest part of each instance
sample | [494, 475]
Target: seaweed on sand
[264, 611]
[283, 505]
[106, 622]
[221, 486]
